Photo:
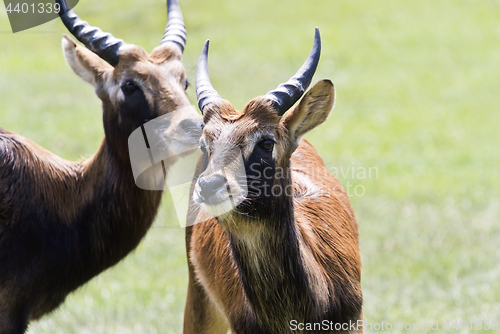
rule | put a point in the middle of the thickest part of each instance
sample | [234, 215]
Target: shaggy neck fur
[77, 218]
[120, 212]
[110, 217]
[270, 257]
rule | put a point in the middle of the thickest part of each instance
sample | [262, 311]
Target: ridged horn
[175, 32]
[205, 93]
[103, 44]
[286, 94]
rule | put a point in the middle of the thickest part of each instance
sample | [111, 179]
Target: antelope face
[247, 153]
[134, 86]
[241, 156]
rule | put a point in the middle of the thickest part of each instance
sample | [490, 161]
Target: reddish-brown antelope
[284, 257]
[62, 222]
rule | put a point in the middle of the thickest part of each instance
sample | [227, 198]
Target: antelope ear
[86, 64]
[312, 110]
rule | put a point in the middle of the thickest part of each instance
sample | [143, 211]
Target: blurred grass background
[417, 105]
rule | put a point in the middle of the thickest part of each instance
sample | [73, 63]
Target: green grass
[417, 101]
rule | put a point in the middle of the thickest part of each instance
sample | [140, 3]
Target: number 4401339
[471, 325]
[41, 8]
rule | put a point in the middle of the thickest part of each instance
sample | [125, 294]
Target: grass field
[417, 107]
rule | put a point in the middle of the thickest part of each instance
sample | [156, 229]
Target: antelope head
[134, 86]
[247, 152]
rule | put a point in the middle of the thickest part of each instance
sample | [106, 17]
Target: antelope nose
[190, 126]
[209, 186]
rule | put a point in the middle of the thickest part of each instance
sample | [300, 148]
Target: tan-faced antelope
[286, 252]
[62, 222]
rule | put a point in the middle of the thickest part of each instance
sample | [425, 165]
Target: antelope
[63, 222]
[264, 261]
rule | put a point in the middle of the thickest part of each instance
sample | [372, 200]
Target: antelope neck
[267, 251]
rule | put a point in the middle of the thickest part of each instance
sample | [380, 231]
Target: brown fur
[297, 260]
[62, 222]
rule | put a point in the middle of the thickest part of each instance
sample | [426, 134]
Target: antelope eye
[128, 88]
[267, 145]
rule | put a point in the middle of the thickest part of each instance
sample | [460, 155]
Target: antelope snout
[211, 189]
[191, 126]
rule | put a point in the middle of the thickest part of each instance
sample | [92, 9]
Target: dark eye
[186, 84]
[267, 145]
[128, 88]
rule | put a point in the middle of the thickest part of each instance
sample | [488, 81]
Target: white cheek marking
[114, 91]
[278, 151]
[252, 140]
[304, 181]
[116, 94]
